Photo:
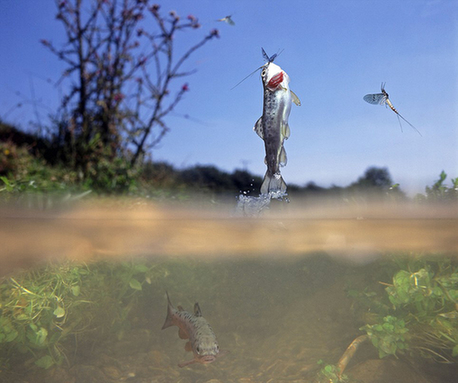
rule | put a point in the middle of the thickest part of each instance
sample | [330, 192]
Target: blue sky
[334, 52]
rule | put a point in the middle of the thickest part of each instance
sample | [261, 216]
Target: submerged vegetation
[417, 311]
[413, 315]
[46, 311]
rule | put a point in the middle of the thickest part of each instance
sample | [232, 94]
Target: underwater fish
[383, 99]
[273, 126]
[202, 340]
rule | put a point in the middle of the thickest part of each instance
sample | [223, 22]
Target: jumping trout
[273, 126]
[202, 340]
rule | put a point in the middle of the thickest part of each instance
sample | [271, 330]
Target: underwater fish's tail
[273, 184]
[169, 319]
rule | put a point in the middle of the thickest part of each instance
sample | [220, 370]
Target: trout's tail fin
[273, 185]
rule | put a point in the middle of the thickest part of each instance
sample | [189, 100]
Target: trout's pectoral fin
[188, 346]
[183, 364]
[295, 98]
[283, 158]
[197, 310]
[258, 128]
[183, 334]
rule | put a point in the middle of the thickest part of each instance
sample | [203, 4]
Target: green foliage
[40, 309]
[388, 337]
[34, 165]
[20, 171]
[374, 178]
[439, 192]
[330, 374]
[211, 178]
[376, 183]
[110, 175]
[418, 310]
[35, 308]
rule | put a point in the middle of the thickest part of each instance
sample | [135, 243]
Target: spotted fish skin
[202, 340]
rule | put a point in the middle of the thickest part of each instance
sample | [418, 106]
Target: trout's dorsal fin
[197, 311]
[180, 308]
[258, 128]
[295, 98]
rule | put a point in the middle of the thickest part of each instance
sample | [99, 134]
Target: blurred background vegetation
[28, 164]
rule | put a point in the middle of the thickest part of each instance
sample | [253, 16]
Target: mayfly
[267, 58]
[383, 99]
[227, 19]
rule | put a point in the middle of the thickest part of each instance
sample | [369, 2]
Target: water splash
[249, 206]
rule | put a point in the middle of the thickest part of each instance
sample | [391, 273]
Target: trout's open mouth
[275, 81]
[207, 359]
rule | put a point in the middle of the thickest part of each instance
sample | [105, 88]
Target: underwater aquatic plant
[42, 309]
[419, 311]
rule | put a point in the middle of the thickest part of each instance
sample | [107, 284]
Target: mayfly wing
[376, 98]
[266, 57]
[264, 54]
[229, 20]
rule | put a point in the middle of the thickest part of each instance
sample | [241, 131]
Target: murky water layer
[112, 230]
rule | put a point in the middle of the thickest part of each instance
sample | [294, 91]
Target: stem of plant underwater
[348, 354]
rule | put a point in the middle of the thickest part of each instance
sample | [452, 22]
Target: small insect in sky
[383, 99]
[227, 19]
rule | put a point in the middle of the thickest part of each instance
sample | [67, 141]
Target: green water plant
[417, 313]
[388, 336]
[330, 373]
[37, 311]
[43, 310]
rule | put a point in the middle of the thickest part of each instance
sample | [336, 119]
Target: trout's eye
[198, 350]
[263, 73]
[217, 348]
